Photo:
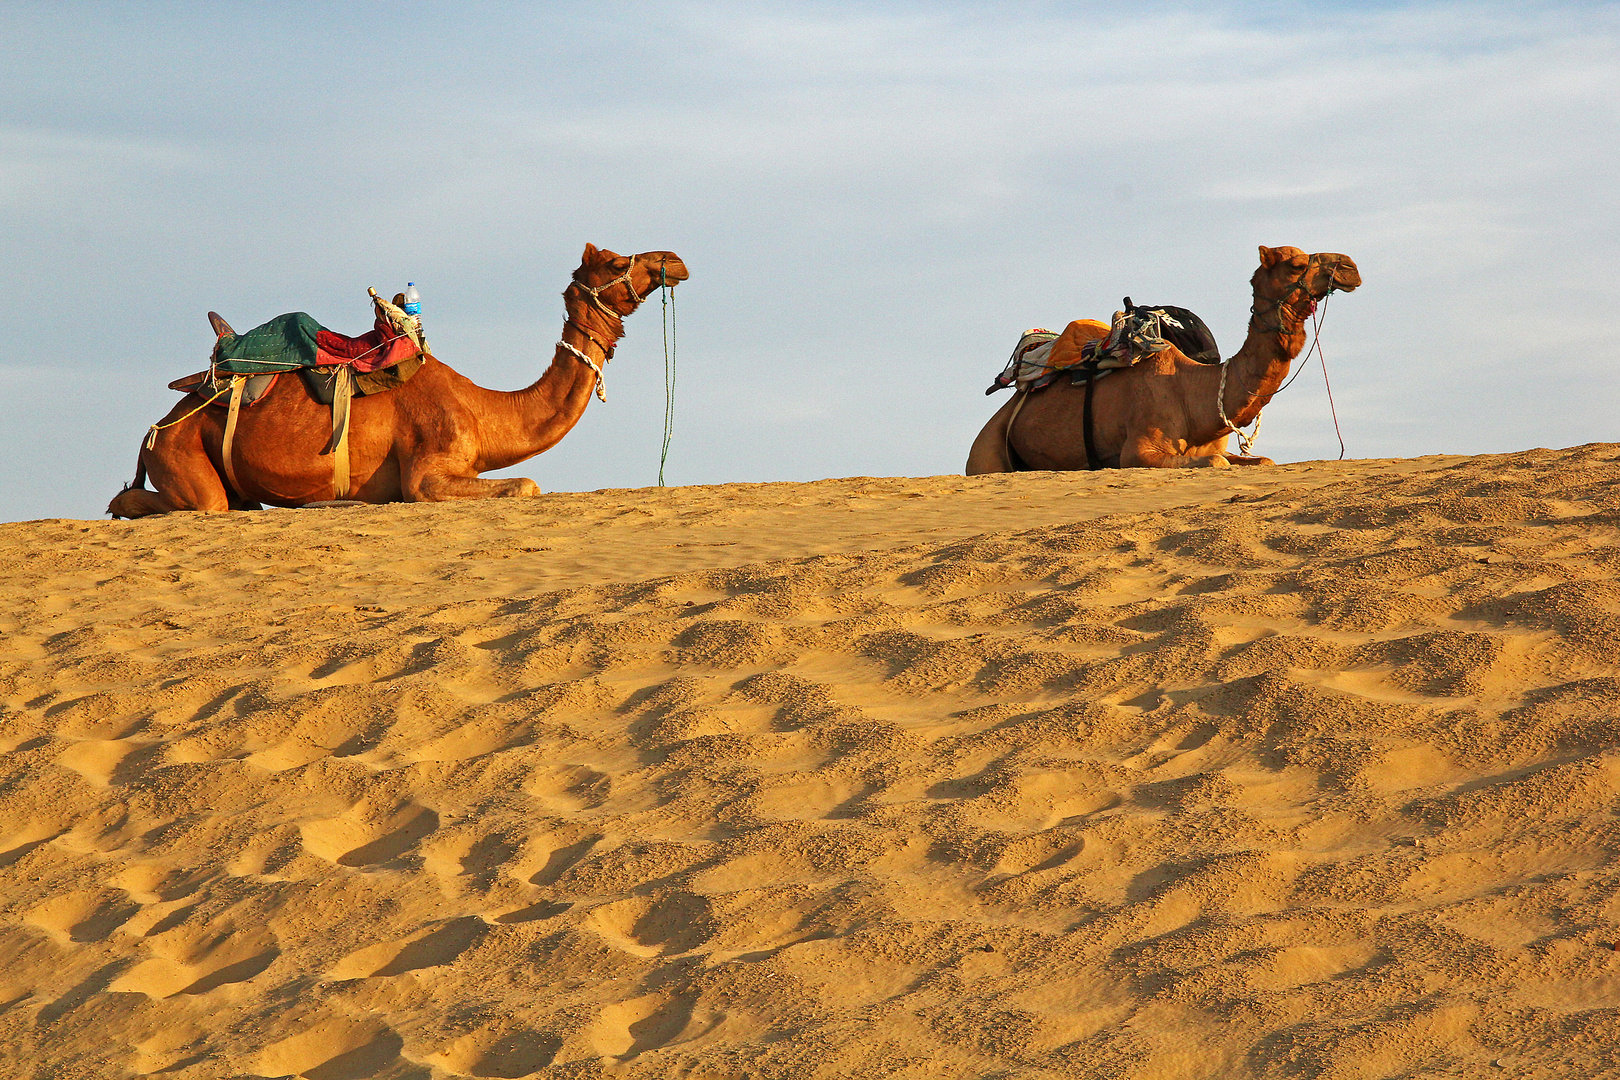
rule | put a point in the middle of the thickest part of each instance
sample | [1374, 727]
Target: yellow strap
[237, 383]
[342, 396]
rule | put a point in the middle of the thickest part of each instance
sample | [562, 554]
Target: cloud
[874, 200]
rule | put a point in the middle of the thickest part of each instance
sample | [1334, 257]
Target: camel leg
[989, 451]
[440, 487]
[1148, 453]
[183, 478]
[1239, 459]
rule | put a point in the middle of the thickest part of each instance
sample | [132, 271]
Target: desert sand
[1307, 771]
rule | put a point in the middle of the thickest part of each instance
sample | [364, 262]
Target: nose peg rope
[668, 301]
[1318, 317]
[1316, 333]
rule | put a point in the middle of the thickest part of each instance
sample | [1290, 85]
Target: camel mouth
[1341, 274]
[673, 272]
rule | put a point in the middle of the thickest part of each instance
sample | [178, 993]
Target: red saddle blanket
[369, 352]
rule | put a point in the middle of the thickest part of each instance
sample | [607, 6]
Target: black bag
[1182, 329]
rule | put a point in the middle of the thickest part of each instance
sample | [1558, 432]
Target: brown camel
[426, 441]
[1162, 412]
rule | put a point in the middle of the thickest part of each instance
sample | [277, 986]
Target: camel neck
[519, 424]
[1276, 336]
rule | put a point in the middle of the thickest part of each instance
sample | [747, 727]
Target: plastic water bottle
[413, 299]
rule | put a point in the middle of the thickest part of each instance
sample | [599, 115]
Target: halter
[594, 292]
[1276, 307]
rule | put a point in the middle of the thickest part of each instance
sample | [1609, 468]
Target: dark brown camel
[426, 441]
[1162, 412]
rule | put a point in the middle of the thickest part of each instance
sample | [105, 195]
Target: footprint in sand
[354, 839]
[335, 1049]
[195, 960]
[630, 1028]
[105, 762]
[440, 945]
[643, 926]
[568, 789]
[84, 915]
[508, 1054]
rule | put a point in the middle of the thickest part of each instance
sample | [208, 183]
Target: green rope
[669, 371]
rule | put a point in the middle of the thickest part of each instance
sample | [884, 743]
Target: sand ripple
[1302, 773]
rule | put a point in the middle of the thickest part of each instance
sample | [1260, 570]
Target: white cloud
[874, 200]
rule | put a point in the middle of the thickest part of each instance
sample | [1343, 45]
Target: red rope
[1316, 333]
[1317, 318]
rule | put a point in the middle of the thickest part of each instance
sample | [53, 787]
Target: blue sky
[873, 200]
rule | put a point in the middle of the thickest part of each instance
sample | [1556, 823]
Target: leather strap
[1085, 423]
[226, 451]
[1018, 406]
[338, 447]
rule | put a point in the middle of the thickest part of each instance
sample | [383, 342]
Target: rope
[601, 393]
[668, 299]
[151, 437]
[1245, 442]
[1318, 317]
[1316, 329]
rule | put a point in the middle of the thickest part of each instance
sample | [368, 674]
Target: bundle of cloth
[1041, 356]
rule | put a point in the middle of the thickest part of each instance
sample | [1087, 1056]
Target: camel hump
[221, 327]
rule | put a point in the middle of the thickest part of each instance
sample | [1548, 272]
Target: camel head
[642, 274]
[1289, 276]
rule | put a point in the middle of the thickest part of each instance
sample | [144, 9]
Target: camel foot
[520, 488]
[138, 503]
[1239, 459]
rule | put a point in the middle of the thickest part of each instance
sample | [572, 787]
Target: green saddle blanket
[284, 343]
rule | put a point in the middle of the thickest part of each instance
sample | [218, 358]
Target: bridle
[595, 293]
[1276, 307]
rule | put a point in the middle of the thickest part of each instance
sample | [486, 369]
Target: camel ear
[1268, 256]
[590, 252]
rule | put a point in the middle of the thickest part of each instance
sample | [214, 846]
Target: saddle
[335, 367]
[1089, 350]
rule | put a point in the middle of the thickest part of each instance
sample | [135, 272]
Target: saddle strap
[342, 397]
[226, 451]
[1019, 398]
[1085, 423]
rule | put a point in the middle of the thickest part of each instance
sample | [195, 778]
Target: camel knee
[986, 465]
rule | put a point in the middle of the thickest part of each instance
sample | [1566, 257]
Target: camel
[1162, 413]
[425, 441]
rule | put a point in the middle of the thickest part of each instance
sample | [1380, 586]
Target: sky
[873, 199]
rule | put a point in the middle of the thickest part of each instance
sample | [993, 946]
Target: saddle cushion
[219, 388]
[296, 340]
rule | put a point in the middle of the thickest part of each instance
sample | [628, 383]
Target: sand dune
[1298, 772]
